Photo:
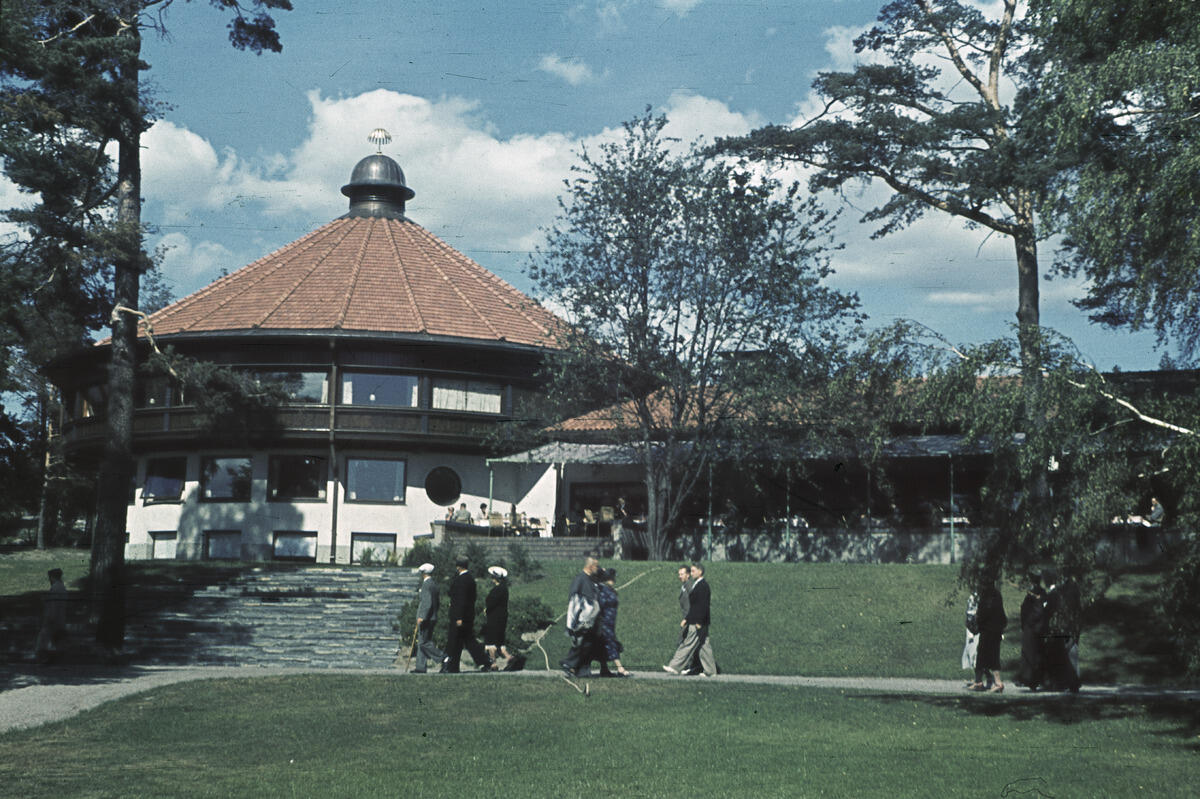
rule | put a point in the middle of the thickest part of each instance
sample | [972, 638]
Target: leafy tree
[1119, 94]
[927, 117]
[81, 60]
[696, 305]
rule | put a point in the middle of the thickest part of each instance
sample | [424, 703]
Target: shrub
[524, 567]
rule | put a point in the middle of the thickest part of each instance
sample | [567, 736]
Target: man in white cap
[427, 611]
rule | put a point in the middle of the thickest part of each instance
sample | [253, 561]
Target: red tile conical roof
[376, 274]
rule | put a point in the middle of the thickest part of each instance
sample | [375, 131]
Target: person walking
[495, 610]
[992, 622]
[1034, 627]
[696, 624]
[583, 607]
[428, 599]
[609, 648]
[462, 622]
[54, 619]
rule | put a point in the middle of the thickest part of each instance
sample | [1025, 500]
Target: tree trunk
[1029, 338]
[116, 472]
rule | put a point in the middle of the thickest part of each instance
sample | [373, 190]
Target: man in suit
[695, 628]
[462, 622]
[427, 614]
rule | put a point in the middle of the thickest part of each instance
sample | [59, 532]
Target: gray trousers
[695, 640]
[426, 649]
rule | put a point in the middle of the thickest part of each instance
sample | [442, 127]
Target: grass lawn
[815, 619]
[338, 736]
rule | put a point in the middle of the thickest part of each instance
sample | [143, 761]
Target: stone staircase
[322, 617]
[285, 616]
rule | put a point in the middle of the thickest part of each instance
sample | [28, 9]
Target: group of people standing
[1051, 621]
[461, 635]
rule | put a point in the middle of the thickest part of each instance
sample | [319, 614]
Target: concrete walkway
[33, 698]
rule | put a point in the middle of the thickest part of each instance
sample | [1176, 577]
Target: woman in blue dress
[610, 648]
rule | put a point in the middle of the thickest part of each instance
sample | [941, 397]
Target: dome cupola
[377, 186]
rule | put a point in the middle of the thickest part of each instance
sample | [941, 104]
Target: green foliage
[232, 406]
[695, 296]
[1180, 597]
[521, 565]
[1117, 87]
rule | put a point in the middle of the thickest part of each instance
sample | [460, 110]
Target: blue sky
[489, 102]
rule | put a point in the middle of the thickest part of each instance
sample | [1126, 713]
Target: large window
[370, 480]
[164, 479]
[296, 477]
[388, 390]
[467, 395]
[312, 387]
[225, 479]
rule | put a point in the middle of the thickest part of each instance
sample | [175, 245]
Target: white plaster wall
[531, 487]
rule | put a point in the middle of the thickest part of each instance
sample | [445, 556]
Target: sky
[488, 105]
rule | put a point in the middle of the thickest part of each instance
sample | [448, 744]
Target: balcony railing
[182, 424]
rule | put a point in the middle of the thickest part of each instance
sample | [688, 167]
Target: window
[295, 546]
[164, 480]
[385, 390]
[312, 387]
[296, 477]
[381, 546]
[369, 480]
[467, 395]
[162, 544]
[223, 544]
[225, 479]
[443, 486]
[93, 401]
[152, 392]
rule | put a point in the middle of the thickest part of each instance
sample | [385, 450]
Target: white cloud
[680, 7]
[571, 69]
[185, 262]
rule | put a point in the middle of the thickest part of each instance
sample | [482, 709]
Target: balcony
[161, 427]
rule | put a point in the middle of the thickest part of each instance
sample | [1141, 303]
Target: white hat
[498, 571]
[425, 568]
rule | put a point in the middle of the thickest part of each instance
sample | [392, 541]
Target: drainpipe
[950, 460]
[333, 464]
[491, 484]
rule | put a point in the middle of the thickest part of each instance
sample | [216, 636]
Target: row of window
[293, 477]
[289, 477]
[372, 389]
[286, 545]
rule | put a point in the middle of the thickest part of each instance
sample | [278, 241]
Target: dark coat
[992, 622]
[496, 608]
[699, 599]
[462, 599]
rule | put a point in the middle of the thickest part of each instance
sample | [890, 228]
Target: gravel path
[36, 698]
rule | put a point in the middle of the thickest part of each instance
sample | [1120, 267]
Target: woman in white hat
[495, 609]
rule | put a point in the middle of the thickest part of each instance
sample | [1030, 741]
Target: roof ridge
[353, 282]
[422, 327]
[505, 291]
[454, 286]
[316, 264]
